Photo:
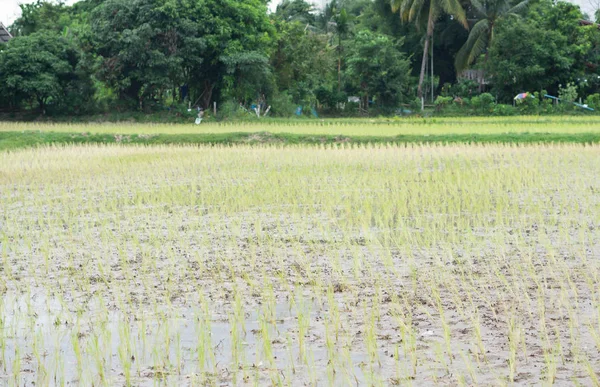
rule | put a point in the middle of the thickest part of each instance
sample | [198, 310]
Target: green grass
[450, 130]
[16, 140]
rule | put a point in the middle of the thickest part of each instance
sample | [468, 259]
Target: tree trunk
[339, 73]
[207, 94]
[430, 24]
[42, 103]
[340, 63]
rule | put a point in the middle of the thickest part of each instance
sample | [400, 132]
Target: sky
[9, 9]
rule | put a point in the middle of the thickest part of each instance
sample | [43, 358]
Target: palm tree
[427, 12]
[341, 28]
[482, 33]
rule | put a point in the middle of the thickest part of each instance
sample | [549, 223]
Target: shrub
[504, 110]
[441, 102]
[567, 93]
[529, 105]
[483, 103]
[593, 101]
[231, 110]
[282, 105]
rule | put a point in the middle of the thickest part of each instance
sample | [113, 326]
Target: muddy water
[162, 346]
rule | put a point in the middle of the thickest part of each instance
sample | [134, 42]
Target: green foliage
[330, 98]
[482, 33]
[296, 11]
[282, 105]
[441, 102]
[150, 46]
[302, 63]
[425, 13]
[41, 15]
[378, 68]
[546, 63]
[529, 105]
[483, 103]
[464, 88]
[155, 56]
[593, 101]
[504, 110]
[231, 110]
[44, 69]
[567, 93]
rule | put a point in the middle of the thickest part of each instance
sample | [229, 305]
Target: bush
[483, 103]
[464, 88]
[441, 102]
[282, 105]
[567, 93]
[529, 105]
[593, 101]
[231, 110]
[504, 110]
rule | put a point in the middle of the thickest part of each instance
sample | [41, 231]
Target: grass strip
[16, 140]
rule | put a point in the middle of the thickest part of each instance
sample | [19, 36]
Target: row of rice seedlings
[353, 127]
[448, 250]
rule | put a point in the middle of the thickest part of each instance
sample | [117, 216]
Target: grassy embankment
[463, 130]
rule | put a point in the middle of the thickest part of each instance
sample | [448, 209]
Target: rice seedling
[352, 127]
[329, 264]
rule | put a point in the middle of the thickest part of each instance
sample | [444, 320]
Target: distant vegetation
[283, 132]
[161, 58]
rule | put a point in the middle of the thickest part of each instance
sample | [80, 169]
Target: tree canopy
[126, 55]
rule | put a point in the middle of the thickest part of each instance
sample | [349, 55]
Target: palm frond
[475, 45]
[396, 4]
[479, 7]
[454, 8]
[517, 9]
[479, 47]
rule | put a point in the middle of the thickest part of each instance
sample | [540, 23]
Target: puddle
[46, 343]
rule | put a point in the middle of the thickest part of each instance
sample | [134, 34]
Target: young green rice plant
[515, 334]
[591, 372]
[370, 337]
[204, 342]
[125, 355]
[330, 344]
[97, 353]
[394, 233]
[303, 325]
[551, 364]
[16, 366]
[2, 336]
[407, 334]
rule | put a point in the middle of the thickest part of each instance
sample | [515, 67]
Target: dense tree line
[351, 57]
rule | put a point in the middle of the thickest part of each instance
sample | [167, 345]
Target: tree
[302, 62]
[378, 68]
[296, 11]
[150, 46]
[43, 68]
[41, 15]
[232, 29]
[482, 33]
[427, 12]
[340, 18]
[546, 48]
[147, 47]
[525, 57]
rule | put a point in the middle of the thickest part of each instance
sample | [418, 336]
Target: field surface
[346, 127]
[582, 130]
[300, 265]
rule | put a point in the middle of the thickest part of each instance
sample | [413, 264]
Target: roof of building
[5, 36]
[583, 22]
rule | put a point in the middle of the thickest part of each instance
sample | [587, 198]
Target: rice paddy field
[288, 265]
[346, 127]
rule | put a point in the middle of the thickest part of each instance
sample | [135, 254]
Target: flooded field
[298, 265]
